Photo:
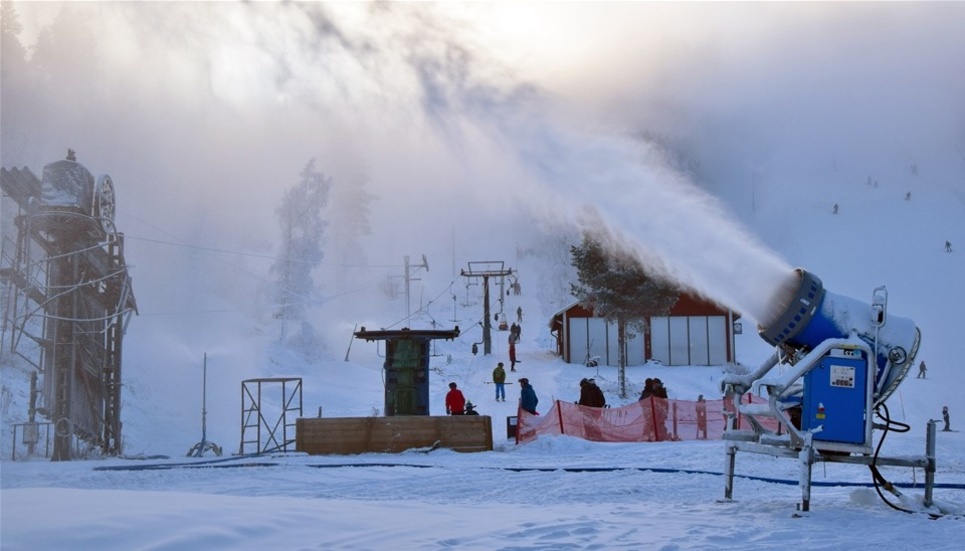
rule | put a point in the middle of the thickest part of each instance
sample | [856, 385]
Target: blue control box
[836, 397]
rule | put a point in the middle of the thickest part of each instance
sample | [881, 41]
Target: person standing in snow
[661, 406]
[499, 379]
[647, 406]
[455, 401]
[591, 395]
[945, 418]
[519, 314]
[659, 391]
[948, 246]
[701, 417]
[647, 389]
[512, 352]
[921, 370]
[585, 395]
[527, 397]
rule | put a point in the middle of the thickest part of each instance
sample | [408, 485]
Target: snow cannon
[810, 315]
[838, 360]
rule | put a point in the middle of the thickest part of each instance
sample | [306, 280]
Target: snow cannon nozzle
[796, 309]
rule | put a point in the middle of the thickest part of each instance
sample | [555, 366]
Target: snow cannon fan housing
[814, 315]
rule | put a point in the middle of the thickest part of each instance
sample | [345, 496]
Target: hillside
[876, 238]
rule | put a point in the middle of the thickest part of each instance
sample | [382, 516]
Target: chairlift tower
[486, 269]
[408, 278]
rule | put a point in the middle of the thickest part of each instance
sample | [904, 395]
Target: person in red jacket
[455, 401]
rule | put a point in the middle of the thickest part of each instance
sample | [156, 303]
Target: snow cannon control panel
[837, 392]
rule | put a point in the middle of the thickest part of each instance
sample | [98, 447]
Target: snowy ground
[511, 498]
[555, 493]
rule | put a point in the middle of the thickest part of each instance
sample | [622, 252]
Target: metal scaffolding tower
[67, 300]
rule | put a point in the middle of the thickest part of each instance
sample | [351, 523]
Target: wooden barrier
[349, 435]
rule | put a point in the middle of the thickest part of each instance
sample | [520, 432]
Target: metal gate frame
[256, 428]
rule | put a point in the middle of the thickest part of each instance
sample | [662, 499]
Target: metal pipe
[930, 456]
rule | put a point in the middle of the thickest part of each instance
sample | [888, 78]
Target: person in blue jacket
[527, 396]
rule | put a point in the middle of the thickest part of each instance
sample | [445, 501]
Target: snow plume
[477, 126]
[626, 190]
[511, 144]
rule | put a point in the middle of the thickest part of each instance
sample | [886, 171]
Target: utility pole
[454, 319]
[408, 278]
[198, 449]
[485, 270]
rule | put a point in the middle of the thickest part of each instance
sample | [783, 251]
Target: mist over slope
[877, 238]
[718, 164]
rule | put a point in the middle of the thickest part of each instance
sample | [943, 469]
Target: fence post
[559, 413]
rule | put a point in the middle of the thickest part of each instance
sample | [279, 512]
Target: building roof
[689, 304]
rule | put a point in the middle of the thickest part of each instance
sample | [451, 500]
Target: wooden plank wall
[350, 435]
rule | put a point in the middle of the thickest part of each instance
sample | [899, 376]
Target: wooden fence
[350, 435]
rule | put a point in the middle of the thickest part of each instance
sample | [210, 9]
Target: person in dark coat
[647, 405]
[512, 353]
[455, 401]
[585, 398]
[599, 400]
[661, 406]
[527, 397]
[647, 389]
[921, 370]
[591, 395]
[659, 391]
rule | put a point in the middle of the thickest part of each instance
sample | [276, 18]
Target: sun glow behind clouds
[468, 103]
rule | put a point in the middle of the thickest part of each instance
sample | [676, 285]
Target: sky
[504, 119]
[710, 138]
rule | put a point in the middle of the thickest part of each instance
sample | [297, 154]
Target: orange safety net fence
[649, 420]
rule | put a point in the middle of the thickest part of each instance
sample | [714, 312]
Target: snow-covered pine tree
[616, 286]
[302, 227]
[349, 214]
